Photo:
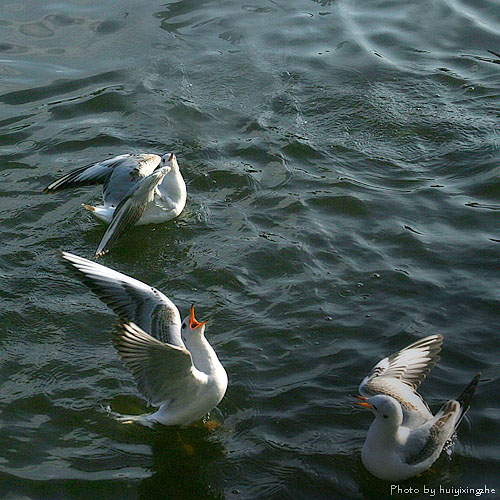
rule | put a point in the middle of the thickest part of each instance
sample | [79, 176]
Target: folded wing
[130, 209]
[425, 444]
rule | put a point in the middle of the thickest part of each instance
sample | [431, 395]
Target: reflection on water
[180, 466]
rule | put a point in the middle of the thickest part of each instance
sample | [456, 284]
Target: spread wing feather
[131, 300]
[88, 175]
[163, 372]
[409, 365]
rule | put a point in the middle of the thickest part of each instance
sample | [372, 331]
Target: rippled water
[343, 170]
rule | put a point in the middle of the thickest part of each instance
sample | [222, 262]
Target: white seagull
[137, 189]
[174, 366]
[405, 438]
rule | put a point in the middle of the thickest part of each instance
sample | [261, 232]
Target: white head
[191, 326]
[170, 160]
[386, 409]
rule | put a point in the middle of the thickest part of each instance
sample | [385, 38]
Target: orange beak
[193, 322]
[363, 403]
[171, 157]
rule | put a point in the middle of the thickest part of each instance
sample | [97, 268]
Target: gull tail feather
[466, 396]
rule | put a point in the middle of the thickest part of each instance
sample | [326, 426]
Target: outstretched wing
[410, 365]
[400, 374]
[162, 372]
[128, 169]
[88, 175]
[130, 209]
[131, 300]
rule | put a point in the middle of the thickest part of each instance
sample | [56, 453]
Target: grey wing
[427, 442]
[131, 300]
[130, 209]
[410, 365]
[132, 169]
[162, 372]
[98, 173]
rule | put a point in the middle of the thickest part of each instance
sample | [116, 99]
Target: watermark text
[396, 489]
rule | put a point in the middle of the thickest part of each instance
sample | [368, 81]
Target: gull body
[138, 189]
[405, 438]
[173, 364]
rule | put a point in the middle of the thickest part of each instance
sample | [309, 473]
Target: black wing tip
[104, 249]
[125, 331]
[466, 396]
[436, 340]
[100, 253]
[120, 327]
[117, 332]
[124, 324]
[434, 344]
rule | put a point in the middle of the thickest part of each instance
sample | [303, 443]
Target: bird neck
[173, 186]
[204, 357]
[383, 433]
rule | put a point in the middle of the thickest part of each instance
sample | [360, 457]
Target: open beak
[193, 322]
[363, 403]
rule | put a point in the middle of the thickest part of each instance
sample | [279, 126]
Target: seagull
[405, 438]
[174, 366]
[137, 189]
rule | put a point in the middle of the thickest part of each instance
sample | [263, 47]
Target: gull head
[191, 325]
[385, 408]
[169, 159]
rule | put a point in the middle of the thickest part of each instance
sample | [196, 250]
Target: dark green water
[342, 162]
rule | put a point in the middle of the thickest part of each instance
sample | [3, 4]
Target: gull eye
[385, 416]
[183, 326]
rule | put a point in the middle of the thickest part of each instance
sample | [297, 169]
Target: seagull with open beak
[173, 364]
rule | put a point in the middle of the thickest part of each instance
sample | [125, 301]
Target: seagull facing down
[174, 366]
[137, 189]
[405, 439]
